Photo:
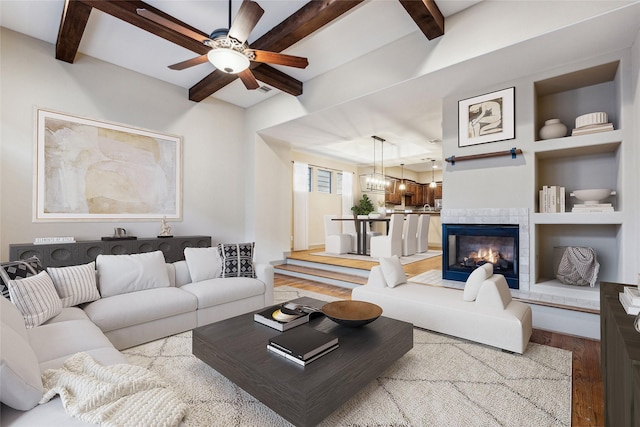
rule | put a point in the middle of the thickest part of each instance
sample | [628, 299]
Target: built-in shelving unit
[578, 162]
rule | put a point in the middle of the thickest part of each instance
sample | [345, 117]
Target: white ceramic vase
[553, 128]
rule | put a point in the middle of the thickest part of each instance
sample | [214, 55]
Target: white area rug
[403, 260]
[431, 277]
[442, 381]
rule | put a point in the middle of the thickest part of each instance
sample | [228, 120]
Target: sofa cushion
[75, 284]
[56, 341]
[12, 317]
[392, 271]
[21, 386]
[223, 290]
[203, 263]
[474, 281]
[237, 259]
[135, 308]
[36, 298]
[494, 293]
[120, 274]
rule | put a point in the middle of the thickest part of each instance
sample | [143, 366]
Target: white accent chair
[391, 244]
[409, 232]
[349, 227]
[335, 242]
[423, 233]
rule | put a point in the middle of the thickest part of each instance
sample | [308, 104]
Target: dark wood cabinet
[620, 360]
[82, 252]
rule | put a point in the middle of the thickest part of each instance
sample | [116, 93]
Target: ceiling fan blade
[280, 59]
[245, 21]
[248, 79]
[190, 62]
[171, 25]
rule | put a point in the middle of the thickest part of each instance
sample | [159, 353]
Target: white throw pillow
[474, 281]
[75, 284]
[392, 271]
[36, 298]
[203, 263]
[121, 274]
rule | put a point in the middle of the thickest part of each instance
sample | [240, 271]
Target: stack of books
[552, 199]
[584, 130]
[286, 315]
[53, 240]
[303, 345]
[597, 207]
[630, 299]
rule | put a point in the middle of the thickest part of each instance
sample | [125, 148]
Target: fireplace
[467, 246]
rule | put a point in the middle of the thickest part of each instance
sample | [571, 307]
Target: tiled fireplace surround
[520, 217]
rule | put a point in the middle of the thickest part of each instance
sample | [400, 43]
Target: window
[338, 182]
[324, 181]
[309, 178]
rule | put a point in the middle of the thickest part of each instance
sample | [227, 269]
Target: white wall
[635, 78]
[212, 131]
[484, 46]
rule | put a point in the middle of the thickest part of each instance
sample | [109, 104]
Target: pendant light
[433, 178]
[402, 187]
[377, 182]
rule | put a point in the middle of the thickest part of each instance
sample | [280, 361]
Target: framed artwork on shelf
[90, 170]
[487, 118]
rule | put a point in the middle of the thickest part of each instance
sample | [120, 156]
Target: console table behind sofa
[82, 252]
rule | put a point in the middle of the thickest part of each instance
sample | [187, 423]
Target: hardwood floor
[587, 389]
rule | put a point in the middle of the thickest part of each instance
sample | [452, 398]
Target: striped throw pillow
[36, 298]
[75, 284]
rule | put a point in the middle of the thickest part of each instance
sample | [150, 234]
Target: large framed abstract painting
[487, 118]
[94, 171]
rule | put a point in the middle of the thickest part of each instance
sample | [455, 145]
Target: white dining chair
[335, 242]
[349, 227]
[409, 232]
[423, 233]
[390, 244]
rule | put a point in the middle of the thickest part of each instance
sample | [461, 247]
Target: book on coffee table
[286, 315]
[300, 361]
[303, 343]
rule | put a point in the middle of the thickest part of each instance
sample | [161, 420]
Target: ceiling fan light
[228, 60]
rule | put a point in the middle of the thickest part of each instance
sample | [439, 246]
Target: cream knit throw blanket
[116, 395]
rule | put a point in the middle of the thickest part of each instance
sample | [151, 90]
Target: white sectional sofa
[140, 300]
[483, 313]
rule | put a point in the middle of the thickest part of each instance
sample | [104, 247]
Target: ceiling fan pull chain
[229, 14]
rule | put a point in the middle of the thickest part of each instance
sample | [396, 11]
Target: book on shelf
[627, 304]
[300, 361]
[634, 294]
[584, 130]
[53, 240]
[286, 315]
[595, 207]
[303, 343]
[552, 199]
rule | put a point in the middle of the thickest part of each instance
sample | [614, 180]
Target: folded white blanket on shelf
[116, 395]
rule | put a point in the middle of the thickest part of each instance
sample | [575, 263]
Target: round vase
[382, 211]
[553, 128]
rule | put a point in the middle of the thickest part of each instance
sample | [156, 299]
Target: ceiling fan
[230, 52]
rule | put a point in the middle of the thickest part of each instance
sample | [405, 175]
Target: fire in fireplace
[467, 246]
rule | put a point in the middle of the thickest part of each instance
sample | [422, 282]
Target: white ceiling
[401, 115]
[378, 22]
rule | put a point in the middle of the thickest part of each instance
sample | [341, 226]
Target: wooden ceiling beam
[75, 16]
[426, 15]
[125, 10]
[309, 18]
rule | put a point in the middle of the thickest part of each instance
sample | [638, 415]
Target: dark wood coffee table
[304, 395]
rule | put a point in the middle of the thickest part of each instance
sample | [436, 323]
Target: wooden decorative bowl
[352, 313]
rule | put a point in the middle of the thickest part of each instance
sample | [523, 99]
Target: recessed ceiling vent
[264, 89]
